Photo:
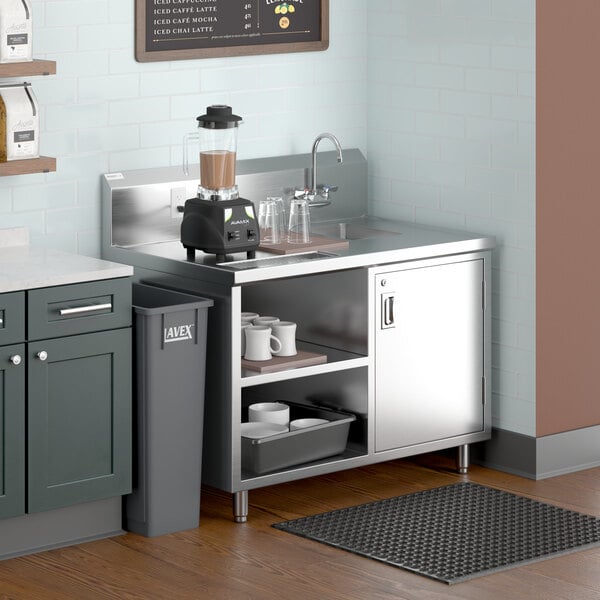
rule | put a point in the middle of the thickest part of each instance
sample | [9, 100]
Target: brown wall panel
[568, 215]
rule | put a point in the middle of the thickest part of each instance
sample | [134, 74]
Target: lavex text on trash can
[178, 333]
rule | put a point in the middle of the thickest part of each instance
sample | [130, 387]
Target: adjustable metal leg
[463, 458]
[240, 506]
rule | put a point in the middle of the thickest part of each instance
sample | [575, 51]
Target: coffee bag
[19, 123]
[15, 31]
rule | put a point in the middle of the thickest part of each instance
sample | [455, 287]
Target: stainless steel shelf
[337, 360]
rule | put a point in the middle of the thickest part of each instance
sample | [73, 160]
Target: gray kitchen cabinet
[79, 419]
[12, 431]
[65, 418]
[12, 404]
[429, 352]
[12, 318]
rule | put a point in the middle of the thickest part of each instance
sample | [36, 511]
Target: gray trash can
[170, 365]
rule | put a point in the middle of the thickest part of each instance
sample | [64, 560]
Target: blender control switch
[251, 234]
[233, 235]
[178, 197]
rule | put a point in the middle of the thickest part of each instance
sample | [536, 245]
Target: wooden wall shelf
[28, 69]
[43, 164]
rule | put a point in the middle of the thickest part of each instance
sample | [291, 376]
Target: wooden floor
[222, 560]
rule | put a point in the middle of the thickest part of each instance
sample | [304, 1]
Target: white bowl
[257, 430]
[304, 423]
[269, 412]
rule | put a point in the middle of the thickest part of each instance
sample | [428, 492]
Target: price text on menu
[179, 25]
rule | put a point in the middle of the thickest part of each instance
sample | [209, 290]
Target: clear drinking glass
[299, 223]
[268, 223]
[281, 218]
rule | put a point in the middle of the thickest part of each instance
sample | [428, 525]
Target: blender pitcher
[217, 148]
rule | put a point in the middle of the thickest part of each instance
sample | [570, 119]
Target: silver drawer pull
[42, 355]
[1, 321]
[388, 319]
[16, 360]
[83, 309]
[388, 315]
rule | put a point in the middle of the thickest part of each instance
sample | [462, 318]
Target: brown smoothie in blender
[217, 169]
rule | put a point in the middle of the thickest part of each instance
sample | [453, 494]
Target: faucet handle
[323, 190]
[304, 193]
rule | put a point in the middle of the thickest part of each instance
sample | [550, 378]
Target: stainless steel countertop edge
[406, 247]
[367, 259]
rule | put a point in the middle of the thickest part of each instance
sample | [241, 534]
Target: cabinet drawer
[80, 308]
[12, 318]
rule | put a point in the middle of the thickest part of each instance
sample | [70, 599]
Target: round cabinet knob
[43, 355]
[16, 360]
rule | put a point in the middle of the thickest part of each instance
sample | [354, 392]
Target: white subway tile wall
[103, 111]
[451, 142]
[438, 93]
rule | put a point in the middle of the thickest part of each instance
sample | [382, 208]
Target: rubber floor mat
[453, 533]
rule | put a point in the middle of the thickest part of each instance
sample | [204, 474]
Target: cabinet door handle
[42, 355]
[388, 311]
[16, 359]
[83, 309]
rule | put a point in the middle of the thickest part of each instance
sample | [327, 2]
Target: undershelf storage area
[331, 313]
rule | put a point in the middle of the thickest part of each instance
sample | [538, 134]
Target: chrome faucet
[319, 195]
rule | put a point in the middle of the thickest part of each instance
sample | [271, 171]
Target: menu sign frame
[190, 29]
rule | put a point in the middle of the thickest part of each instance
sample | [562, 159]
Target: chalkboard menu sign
[184, 29]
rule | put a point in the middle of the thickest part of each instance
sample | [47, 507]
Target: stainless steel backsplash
[137, 208]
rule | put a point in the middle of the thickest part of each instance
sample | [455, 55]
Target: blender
[217, 220]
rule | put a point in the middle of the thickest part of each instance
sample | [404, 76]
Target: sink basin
[276, 261]
[350, 231]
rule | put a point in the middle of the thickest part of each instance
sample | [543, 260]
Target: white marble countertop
[23, 267]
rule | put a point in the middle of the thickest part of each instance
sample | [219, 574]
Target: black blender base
[191, 255]
[223, 257]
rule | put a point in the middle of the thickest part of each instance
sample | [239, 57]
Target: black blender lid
[218, 116]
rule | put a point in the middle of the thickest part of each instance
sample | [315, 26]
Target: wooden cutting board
[317, 242]
[281, 363]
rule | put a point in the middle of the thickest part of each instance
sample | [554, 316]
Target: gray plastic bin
[170, 365]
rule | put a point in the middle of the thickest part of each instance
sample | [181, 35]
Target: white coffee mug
[285, 332]
[277, 413]
[244, 325]
[249, 316]
[259, 343]
[268, 321]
